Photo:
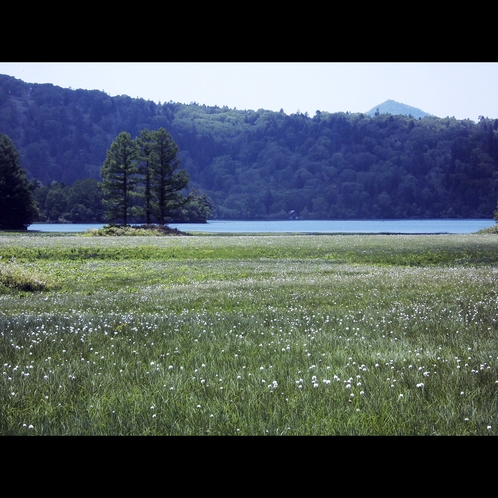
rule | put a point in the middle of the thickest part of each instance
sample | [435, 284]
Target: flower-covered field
[249, 335]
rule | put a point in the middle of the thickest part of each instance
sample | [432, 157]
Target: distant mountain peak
[393, 107]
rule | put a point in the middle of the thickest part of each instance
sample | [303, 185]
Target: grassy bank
[250, 335]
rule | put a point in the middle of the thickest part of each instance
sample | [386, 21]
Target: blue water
[307, 226]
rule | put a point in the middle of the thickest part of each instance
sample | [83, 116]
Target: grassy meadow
[249, 335]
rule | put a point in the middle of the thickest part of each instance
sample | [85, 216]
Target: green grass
[250, 335]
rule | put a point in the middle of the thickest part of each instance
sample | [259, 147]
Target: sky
[461, 90]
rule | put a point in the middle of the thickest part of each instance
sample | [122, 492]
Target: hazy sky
[462, 90]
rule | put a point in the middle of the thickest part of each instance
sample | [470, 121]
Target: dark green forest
[258, 164]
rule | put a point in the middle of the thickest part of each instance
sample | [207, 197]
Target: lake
[306, 226]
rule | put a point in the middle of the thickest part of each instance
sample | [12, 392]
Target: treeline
[78, 203]
[82, 202]
[263, 164]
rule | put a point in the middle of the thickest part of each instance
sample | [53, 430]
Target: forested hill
[393, 107]
[264, 164]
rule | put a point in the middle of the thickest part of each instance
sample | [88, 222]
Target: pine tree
[146, 155]
[17, 203]
[119, 177]
[168, 180]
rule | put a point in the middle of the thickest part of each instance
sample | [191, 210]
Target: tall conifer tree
[119, 177]
[168, 179]
[146, 157]
[17, 203]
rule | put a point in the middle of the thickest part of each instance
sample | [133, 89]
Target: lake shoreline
[364, 227]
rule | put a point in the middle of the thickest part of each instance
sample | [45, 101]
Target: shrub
[137, 230]
[493, 229]
[17, 277]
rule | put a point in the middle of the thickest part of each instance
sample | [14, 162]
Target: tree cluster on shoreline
[142, 178]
